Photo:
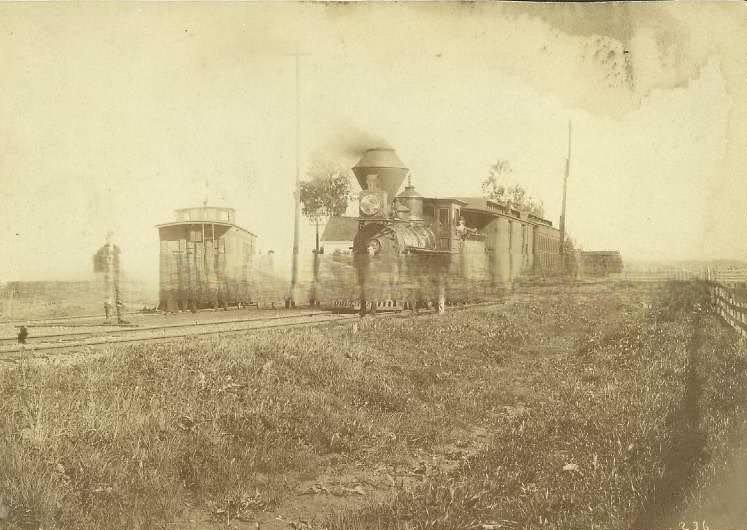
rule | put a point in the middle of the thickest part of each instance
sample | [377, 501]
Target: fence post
[726, 305]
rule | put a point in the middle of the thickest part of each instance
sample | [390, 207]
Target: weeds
[574, 392]
[679, 299]
[595, 444]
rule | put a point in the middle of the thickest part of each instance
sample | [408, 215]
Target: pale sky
[113, 115]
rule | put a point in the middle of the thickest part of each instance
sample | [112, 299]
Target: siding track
[67, 341]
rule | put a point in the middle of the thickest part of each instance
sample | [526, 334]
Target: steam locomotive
[411, 250]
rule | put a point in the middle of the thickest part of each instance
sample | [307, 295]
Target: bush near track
[575, 388]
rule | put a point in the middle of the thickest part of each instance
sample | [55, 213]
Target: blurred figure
[373, 247]
[463, 231]
[108, 309]
[120, 309]
[23, 334]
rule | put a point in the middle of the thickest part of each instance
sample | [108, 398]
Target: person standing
[23, 334]
[463, 231]
[120, 310]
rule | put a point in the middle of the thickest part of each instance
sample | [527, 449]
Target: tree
[569, 244]
[570, 258]
[325, 194]
[535, 207]
[517, 196]
[494, 186]
[497, 186]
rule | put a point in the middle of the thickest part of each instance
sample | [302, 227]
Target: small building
[338, 235]
[601, 262]
[206, 260]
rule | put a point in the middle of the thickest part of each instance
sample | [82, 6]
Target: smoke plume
[348, 144]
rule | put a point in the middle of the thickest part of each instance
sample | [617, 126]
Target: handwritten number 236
[697, 525]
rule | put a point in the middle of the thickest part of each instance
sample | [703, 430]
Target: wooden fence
[725, 277]
[727, 289]
[655, 275]
[728, 306]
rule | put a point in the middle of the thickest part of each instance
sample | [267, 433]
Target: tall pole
[115, 280]
[10, 302]
[108, 276]
[297, 193]
[565, 190]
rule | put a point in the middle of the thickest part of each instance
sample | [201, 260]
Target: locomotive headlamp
[371, 204]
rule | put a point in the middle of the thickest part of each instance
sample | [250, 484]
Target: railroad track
[63, 320]
[21, 321]
[15, 354]
[172, 331]
[120, 330]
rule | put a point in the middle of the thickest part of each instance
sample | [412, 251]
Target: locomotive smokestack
[388, 169]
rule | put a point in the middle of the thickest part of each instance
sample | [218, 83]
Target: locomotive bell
[380, 169]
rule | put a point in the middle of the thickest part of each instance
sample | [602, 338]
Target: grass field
[565, 407]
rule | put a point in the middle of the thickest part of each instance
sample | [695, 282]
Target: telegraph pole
[297, 194]
[10, 302]
[565, 190]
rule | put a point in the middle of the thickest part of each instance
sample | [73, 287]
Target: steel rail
[166, 326]
[120, 340]
[21, 321]
[154, 338]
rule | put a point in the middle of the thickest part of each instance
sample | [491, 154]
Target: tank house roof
[206, 215]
